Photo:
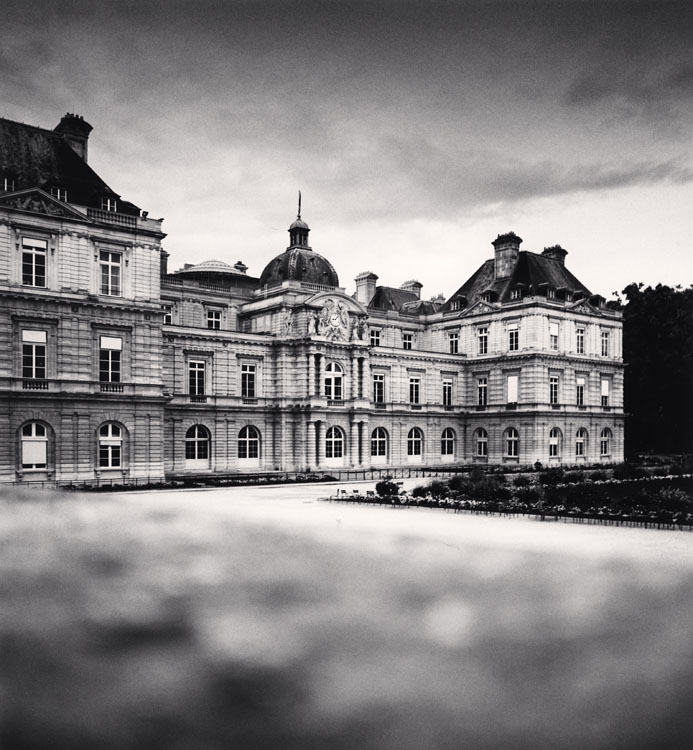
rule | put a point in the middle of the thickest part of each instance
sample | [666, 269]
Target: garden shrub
[386, 488]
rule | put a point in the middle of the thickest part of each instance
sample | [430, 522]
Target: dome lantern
[298, 231]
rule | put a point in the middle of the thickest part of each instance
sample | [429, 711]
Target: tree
[658, 352]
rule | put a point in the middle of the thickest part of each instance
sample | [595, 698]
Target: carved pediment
[337, 317]
[583, 307]
[37, 201]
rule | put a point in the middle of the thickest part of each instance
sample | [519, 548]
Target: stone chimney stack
[507, 248]
[164, 256]
[75, 131]
[365, 287]
[412, 286]
[555, 252]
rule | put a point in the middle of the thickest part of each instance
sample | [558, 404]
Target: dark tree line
[658, 352]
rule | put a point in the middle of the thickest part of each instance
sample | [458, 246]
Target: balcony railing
[111, 217]
[335, 402]
[34, 384]
[112, 388]
[198, 399]
[249, 400]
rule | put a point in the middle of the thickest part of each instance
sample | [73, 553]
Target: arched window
[447, 442]
[555, 439]
[605, 442]
[481, 440]
[110, 446]
[512, 443]
[415, 442]
[581, 442]
[334, 378]
[379, 442]
[197, 443]
[34, 447]
[334, 443]
[249, 442]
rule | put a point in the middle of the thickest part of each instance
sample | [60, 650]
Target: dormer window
[516, 293]
[59, 193]
[486, 297]
[7, 183]
[550, 293]
[455, 304]
[109, 204]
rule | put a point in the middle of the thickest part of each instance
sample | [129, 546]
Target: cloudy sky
[417, 131]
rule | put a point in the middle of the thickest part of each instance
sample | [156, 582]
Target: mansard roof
[390, 298]
[36, 157]
[532, 272]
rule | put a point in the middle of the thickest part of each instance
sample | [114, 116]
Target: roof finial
[299, 204]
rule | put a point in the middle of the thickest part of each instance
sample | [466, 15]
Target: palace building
[117, 369]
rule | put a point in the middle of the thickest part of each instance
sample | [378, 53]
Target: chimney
[439, 299]
[412, 286]
[507, 248]
[365, 287]
[75, 131]
[555, 252]
[163, 262]
[240, 266]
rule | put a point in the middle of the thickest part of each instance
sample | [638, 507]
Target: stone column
[321, 375]
[354, 444]
[310, 445]
[311, 374]
[365, 445]
[320, 438]
[354, 377]
[366, 378]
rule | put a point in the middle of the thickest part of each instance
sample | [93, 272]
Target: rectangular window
[447, 393]
[515, 293]
[553, 336]
[168, 314]
[414, 390]
[482, 336]
[248, 373]
[550, 293]
[196, 377]
[109, 204]
[59, 193]
[110, 348]
[605, 343]
[7, 183]
[407, 340]
[379, 388]
[34, 355]
[512, 389]
[580, 391]
[482, 391]
[214, 319]
[580, 340]
[513, 338]
[34, 262]
[110, 273]
[605, 391]
[553, 389]
[454, 343]
[375, 337]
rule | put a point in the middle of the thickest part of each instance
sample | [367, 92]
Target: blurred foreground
[259, 619]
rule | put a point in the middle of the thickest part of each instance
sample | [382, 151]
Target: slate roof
[533, 272]
[36, 157]
[390, 298]
[299, 264]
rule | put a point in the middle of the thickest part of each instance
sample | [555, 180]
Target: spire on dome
[298, 231]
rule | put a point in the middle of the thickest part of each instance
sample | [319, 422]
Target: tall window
[414, 390]
[580, 391]
[512, 384]
[375, 337]
[379, 442]
[34, 262]
[34, 446]
[197, 441]
[454, 343]
[414, 442]
[196, 377]
[110, 446]
[553, 336]
[447, 393]
[407, 340]
[33, 355]
[605, 343]
[554, 442]
[248, 373]
[580, 340]
[605, 392]
[249, 442]
[553, 389]
[581, 442]
[168, 314]
[513, 337]
[379, 388]
[110, 273]
[334, 443]
[214, 319]
[110, 348]
[334, 378]
[605, 442]
[482, 339]
[481, 440]
[447, 442]
[482, 391]
[512, 443]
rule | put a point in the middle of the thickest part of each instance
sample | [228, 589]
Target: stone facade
[117, 369]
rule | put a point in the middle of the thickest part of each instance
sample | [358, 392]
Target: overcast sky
[416, 131]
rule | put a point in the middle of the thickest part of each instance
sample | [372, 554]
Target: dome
[299, 224]
[209, 266]
[299, 264]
